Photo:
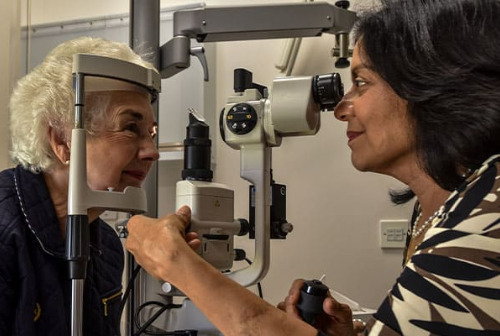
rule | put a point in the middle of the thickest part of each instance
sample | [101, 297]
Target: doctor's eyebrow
[355, 70]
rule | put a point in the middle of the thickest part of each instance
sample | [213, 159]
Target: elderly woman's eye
[153, 131]
[132, 127]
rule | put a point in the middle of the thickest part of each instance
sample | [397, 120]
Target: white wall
[9, 68]
[335, 209]
[48, 11]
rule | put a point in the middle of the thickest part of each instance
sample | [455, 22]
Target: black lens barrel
[327, 90]
[197, 151]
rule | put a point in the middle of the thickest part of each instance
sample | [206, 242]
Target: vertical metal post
[77, 230]
[145, 40]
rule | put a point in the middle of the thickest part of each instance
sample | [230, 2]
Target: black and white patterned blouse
[451, 285]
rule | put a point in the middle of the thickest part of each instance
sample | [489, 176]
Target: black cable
[259, 286]
[143, 328]
[130, 285]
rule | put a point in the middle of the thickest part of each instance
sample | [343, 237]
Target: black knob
[344, 4]
[312, 295]
[342, 63]
[239, 254]
[244, 227]
[241, 119]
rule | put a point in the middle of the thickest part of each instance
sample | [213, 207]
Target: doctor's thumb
[184, 212]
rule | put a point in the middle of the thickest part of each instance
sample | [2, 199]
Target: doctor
[424, 108]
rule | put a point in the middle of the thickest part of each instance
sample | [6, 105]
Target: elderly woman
[424, 108]
[34, 286]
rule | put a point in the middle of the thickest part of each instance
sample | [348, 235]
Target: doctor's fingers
[193, 240]
[340, 311]
[289, 305]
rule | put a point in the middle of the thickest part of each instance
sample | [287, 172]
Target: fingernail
[183, 210]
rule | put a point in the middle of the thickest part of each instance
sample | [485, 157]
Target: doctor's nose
[344, 109]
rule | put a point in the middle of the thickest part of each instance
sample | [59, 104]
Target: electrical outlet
[393, 233]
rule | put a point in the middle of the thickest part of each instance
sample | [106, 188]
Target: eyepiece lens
[328, 90]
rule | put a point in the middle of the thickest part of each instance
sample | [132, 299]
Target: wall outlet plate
[393, 233]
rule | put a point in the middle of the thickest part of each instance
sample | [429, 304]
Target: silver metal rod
[77, 284]
[77, 306]
[79, 83]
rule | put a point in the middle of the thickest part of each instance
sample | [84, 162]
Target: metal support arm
[213, 24]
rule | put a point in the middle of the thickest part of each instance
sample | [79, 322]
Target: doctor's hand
[337, 317]
[158, 244]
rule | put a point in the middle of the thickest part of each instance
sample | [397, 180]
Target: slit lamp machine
[253, 121]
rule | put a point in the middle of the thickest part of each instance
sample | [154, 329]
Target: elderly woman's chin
[126, 180]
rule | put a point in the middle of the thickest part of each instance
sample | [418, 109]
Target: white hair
[45, 98]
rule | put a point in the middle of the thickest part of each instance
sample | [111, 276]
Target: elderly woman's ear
[60, 146]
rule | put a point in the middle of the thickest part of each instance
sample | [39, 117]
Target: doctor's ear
[60, 146]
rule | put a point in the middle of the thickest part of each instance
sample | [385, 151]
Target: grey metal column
[145, 40]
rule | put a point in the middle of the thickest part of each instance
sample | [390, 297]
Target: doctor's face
[122, 151]
[378, 128]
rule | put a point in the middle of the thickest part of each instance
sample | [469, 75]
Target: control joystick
[312, 295]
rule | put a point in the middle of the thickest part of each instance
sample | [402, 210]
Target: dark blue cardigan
[34, 286]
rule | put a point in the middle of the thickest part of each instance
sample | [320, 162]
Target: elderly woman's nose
[148, 149]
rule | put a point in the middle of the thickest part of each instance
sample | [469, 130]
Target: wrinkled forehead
[107, 99]
[94, 84]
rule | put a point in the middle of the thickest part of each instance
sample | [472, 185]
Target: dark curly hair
[443, 57]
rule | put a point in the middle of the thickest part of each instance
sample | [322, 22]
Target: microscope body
[212, 204]
[252, 117]
[212, 217]
[252, 122]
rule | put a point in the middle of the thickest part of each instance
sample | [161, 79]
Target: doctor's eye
[358, 82]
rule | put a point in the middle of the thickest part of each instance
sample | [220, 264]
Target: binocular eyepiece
[327, 90]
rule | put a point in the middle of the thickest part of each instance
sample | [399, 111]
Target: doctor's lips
[353, 135]
[137, 174]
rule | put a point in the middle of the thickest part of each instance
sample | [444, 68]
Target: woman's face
[378, 128]
[123, 151]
